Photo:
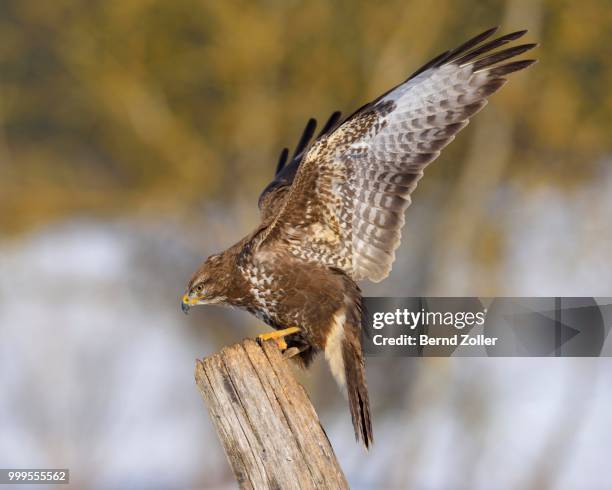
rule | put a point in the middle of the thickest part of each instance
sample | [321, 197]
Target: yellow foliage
[191, 99]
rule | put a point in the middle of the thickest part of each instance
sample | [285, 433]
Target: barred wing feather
[345, 207]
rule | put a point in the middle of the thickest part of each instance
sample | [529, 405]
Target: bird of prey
[332, 216]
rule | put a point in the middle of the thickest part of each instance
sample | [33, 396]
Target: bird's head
[209, 284]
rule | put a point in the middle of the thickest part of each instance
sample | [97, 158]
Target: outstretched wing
[272, 197]
[346, 205]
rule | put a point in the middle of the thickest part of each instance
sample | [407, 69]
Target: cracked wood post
[270, 432]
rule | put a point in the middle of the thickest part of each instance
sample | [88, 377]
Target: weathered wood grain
[270, 432]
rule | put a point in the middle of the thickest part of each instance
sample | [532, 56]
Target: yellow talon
[278, 336]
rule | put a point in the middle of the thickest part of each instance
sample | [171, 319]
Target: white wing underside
[346, 206]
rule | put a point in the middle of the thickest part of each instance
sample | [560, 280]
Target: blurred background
[135, 137]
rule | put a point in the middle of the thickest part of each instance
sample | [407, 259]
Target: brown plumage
[333, 214]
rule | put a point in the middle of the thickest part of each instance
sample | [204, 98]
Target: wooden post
[270, 432]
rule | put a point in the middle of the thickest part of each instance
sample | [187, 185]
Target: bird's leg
[278, 336]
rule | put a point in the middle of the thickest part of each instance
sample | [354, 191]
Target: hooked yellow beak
[186, 303]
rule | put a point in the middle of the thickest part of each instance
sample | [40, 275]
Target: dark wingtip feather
[490, 46]
[438, 60]
[330, 124]
[306, 136]
[502, 55]
[478, 38]
[475, 41]
[282, 160]
[490, 31]
[454, 53]
[492, 86]
[513, 36]
[502, 70]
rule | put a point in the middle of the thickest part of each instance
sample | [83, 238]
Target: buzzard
[333, 213]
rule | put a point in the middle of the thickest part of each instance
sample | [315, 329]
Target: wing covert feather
[345, 207]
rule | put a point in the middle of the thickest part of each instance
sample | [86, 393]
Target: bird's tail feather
[357, 389]
[344, 353]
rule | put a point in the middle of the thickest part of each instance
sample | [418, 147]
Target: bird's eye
[199, 288]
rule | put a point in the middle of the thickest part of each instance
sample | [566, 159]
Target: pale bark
[270, 432]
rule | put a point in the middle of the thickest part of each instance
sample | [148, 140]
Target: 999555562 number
[47, 476]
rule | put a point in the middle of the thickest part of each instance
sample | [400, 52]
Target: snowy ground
[96, 367]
